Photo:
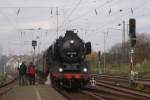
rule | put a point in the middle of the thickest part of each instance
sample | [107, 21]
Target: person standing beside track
[17, 75]
[22, 74]
[31, 73]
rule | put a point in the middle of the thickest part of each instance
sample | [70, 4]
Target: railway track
[90, 93]
[120, 78]
[123, 92]
[79, 94]
[107, 90]
[141, 84]
[104, 93]
[4, 88]
[63, 93]
[99, 94]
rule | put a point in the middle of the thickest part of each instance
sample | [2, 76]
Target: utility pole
[99, 62]
[123, 35]
[131, 59]
[105, 50]
[127, 29]
[123, 42]
[4, 69]
[57, 19]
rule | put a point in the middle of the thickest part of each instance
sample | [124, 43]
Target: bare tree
[142, 48]
[119, 55]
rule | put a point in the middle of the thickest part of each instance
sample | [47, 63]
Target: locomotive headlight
[71, 41]
[84, 69]
[60, 69]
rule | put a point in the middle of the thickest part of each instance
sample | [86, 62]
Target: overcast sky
[92, 18]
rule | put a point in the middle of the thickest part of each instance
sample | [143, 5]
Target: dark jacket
[23, 69]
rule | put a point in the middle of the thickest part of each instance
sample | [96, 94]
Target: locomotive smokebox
[71, 48]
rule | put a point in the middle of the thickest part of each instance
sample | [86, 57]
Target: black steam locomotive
[65, 61]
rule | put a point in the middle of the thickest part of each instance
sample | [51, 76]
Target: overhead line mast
[57, 19]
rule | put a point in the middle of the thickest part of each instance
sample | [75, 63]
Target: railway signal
[34, 44]
[132, 31]
[132, 35]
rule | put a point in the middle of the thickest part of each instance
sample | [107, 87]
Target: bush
[2, 79]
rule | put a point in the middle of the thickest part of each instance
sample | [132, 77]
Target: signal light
[99, 55]
[34, 43]
[88, 48]
[132, 31]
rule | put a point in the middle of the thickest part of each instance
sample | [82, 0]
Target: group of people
[26, 74]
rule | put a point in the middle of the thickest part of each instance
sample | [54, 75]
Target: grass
[143, 69]
[2, 78]
[111, 69]
[115, 69]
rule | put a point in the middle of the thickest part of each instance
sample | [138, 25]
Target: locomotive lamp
[85, 69]
[60, 70]
[71, 41]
